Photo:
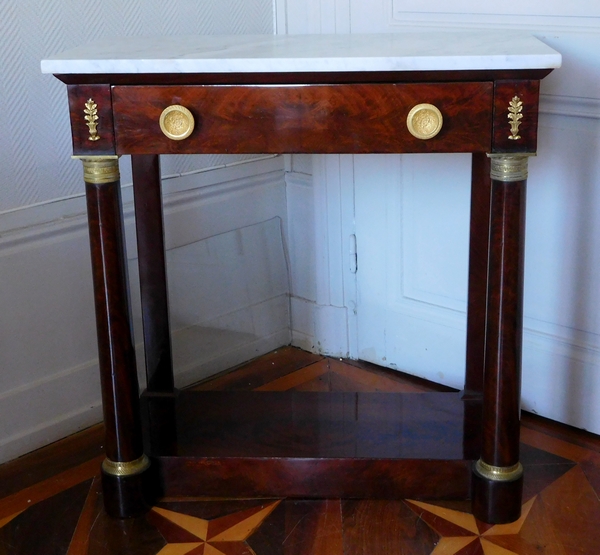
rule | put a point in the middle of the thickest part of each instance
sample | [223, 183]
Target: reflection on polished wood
[51, 500]
[314, 444]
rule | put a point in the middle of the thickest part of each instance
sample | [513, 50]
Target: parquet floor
[51, 503]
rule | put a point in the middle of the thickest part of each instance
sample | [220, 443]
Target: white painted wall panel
[301, 236]
[562, 339]
[541, 8]
[411, 235]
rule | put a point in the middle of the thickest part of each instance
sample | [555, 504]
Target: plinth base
[310, 445]
[129, 496]
[496, 502]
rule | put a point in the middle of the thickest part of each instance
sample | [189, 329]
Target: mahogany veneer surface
[310, 444]
[316, 118]
[319, 425]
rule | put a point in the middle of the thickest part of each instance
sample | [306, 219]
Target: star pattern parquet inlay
[226, 535]
[461, 533]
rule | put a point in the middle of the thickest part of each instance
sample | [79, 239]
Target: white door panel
[412, 221]
[411, 232]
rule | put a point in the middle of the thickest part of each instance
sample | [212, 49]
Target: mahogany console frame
[280, 444]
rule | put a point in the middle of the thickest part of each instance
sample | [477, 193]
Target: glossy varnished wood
[500, 501]
[319, 424]
[356, 118]
[124, 496]
[118, 372]
[153, 274]
[312, 444]
[101, 95]
[500, 444]
[241, 477]
[479, 244]
[497, 502]
[339, 445]
[129, 496]
[292, 78]
[260, 372]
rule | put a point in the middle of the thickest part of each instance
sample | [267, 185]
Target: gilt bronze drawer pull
[424, 121]
[176, 122]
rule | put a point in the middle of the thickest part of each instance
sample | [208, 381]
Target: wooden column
[153, 275]
[479, 241]
[160, 417]
[498, 475]
[125, 466]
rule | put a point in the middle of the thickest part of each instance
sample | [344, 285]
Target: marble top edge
[411, 51]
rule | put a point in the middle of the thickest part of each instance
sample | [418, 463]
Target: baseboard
[319, 329]
[31, 412]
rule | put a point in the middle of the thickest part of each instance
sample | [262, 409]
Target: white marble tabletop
[406, 51]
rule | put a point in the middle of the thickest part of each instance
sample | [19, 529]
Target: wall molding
[37, 428]
[514, 8]
[520, 23]
[570, 106]
[67, 216]
[297, 179]
[576, 16]
[64, 209]
[318, 328]
[580, 346]
[562, 364]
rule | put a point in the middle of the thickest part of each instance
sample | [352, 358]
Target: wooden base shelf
[311, 445]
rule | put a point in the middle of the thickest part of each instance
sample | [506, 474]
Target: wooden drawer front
[315, 118]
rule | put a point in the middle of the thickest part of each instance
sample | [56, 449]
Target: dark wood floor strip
[374, 526]
[570, 434]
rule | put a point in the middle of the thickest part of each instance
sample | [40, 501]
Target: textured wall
[48, 357]
[35, 140]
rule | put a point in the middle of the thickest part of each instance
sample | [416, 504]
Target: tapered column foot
[128, 488]
[497, 493]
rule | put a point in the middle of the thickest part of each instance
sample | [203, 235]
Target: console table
[394, 93]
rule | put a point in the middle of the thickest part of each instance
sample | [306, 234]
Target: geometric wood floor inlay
[461, 533]
[227, 535]
[61, 513]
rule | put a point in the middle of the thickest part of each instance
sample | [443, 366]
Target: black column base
[129, 496]
[496, 502]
